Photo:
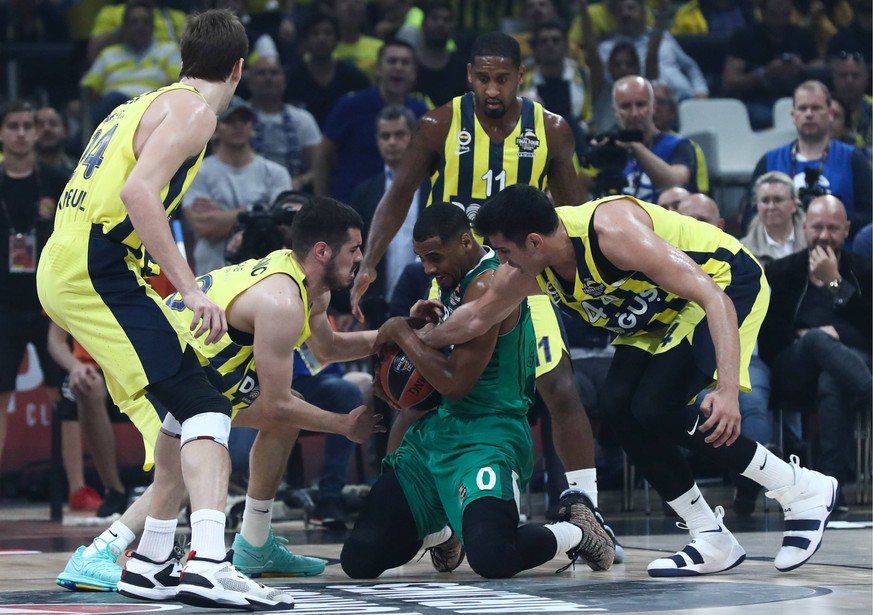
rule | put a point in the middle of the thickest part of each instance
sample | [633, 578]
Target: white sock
[256, 521]
[694, 510]
[158, 538]
[118, 537]
[566, 534]
[207, 534]
[768, 470]
[584, 480]
[437, 538]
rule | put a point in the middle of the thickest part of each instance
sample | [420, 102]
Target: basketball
[402, 382]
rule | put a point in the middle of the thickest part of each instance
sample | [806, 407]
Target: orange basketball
[402, 382]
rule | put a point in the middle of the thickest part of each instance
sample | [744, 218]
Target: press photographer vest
[639, 184]
[836, 170]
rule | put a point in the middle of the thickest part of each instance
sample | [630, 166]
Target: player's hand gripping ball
[403, 384]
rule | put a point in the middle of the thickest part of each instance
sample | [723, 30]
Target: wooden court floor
[837, 580]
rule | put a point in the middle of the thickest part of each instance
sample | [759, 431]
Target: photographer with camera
[817, 163]
[639, 160]
[233, 180]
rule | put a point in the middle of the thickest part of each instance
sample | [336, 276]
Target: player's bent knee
[189, 392]
[207, 425]
[358, 561]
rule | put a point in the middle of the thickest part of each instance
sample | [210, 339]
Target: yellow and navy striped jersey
[636, 306]
[475, 168]
[234, 358]
[93, 193]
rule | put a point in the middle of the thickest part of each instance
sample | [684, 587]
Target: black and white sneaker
[146, 579]
[709, 552]
[216, 583]
[808, 505]
[597, 547]
[447, 556]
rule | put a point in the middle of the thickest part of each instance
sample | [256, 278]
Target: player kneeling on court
[466, 462]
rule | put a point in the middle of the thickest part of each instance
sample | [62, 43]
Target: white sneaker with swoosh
[710, 551]
[807, 504]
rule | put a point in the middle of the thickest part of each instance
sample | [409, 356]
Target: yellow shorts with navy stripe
[547, 331]
[92, 287]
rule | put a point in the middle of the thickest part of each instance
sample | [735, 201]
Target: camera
[610, 159]
[810, 189]
[262, 230]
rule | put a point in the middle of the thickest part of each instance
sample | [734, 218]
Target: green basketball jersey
[507, 384]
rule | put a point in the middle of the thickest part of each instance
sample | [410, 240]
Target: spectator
[284, 134]
[712, 17]
[623, 62]
[675, 67]
[701, 207]
[354, 46]
[392, 16]
[534, 13]
[863, 243]
[816, 336]
[660, 160]
[84, 399]
[32, 21]
[604, 18]
[666, 111]
[442, 72]
[851, 78]
[394, 128]
[233, 180]
[671, 197]
[855, 37]
[108, 25]
[766, 61]
[261, 30]
[136, 65]
[557, 81]
[348, 153]
[29, 192]
[51, 140]
[319, 81]
[777, 230]
[815, 162]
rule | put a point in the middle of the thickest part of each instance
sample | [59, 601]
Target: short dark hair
[317, 18]
[136, 4]
[396, 42]
[437, 5]
[515, 212]
[496, 44]
[625, 47]
[16, 106]
[444, 220]
[547, 25]
[396, 112]
[212, 44]
[323, 219]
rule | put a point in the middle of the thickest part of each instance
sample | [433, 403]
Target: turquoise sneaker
[92, 573]
[273, 559]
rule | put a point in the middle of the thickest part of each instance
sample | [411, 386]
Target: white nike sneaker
[216, 584]
[146, 579]
[807, 505]
[709, 552]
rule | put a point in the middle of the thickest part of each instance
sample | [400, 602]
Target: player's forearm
[286, 409]
[722, 319]
[387, 219]
[348, 346]
[464, 324]
[430, 363]
[153, 229]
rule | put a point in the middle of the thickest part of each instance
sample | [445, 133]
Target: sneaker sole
[192, 597]
[78, 583]
[821, 539]
[258, 573]
[145, 593]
